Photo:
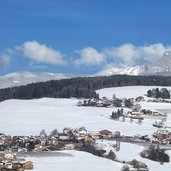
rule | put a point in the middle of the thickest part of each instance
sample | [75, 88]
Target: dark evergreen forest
[80, 87]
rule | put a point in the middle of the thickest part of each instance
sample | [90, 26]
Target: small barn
[2, 141]
[28, 165]
[139, 99]
[88, 140]
[169, 137]
[63, 137]
[1, 164]
[106, 133]
[10, 156]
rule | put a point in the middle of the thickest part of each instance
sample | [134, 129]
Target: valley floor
[29, 117]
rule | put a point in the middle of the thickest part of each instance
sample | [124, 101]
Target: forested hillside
[83, 87]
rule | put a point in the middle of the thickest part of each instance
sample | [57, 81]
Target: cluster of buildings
[59, 141]
[78, 138]
[159, 100]
[162, 136]
[105, 102]
[9, 162]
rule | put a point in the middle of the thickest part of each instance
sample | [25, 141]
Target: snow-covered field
[26, 117]
[81, 161]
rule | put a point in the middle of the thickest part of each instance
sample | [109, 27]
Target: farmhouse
[139, 99]
[106, 133]
[10, 162]
[28, 165]
[2, 140]
[162, 136]
[95, 135]
[52, 141]
[63, 137]
[169, 137]
[88, 140]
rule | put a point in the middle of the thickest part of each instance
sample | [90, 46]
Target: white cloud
[89, 57]
[34, 65]
[41, 53]
[126, 54]
[155, 51]
[4, 60]
[130, 54]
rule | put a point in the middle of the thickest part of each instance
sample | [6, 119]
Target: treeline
[80, 87]
[156, 93]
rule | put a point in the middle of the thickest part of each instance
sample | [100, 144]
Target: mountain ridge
[123, 70]
[25, 77]
[161, 67]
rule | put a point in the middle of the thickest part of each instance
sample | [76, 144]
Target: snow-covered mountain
[128, 70]
[23, 78]
[161, 67]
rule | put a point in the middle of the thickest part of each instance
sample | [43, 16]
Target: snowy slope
[121, 70]
[23, 78]
[25, 117]
[31, 116]
[81, 161]
[127, 91]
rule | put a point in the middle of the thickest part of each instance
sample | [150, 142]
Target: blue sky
[81, 36]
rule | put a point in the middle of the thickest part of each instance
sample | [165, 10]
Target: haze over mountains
[160, 67]
[23, 78]
[123, 70]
